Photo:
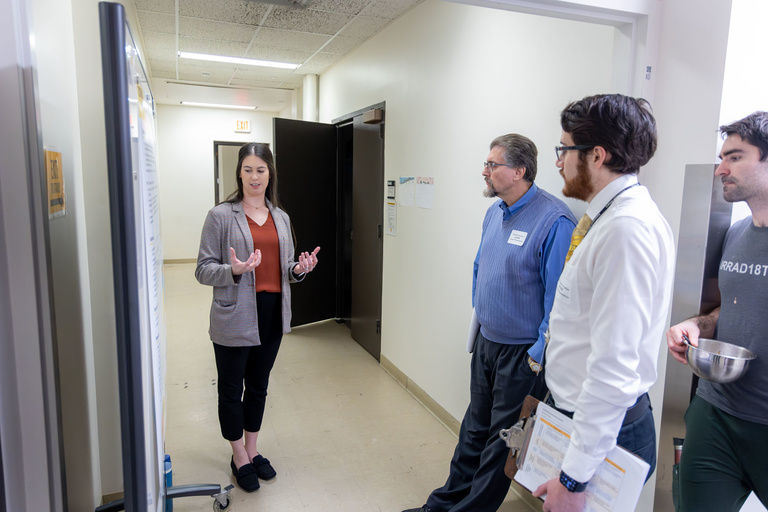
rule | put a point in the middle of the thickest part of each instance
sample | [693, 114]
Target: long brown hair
[262, 151]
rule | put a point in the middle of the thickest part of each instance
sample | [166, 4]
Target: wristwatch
[536, 367]
[571, 484]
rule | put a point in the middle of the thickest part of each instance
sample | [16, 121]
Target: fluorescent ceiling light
[237, 60]
[216, 105]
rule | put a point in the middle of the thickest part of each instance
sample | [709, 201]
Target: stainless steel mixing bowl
[718, 361]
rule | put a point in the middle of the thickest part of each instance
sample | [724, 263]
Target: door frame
[339, 122]
[637, 21]
[347, 118]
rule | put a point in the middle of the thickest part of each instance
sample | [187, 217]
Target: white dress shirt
[608, 320]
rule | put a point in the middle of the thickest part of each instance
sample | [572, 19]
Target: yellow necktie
[578, 235]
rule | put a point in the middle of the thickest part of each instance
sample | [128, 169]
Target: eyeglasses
[492, 165]
[560, 150]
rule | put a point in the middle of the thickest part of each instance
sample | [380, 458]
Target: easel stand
[221, 498]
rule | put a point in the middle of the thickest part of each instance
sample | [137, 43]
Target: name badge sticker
[517, 237]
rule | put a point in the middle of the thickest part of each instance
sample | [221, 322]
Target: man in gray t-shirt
[725, 456]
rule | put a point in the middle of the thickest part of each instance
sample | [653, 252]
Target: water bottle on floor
[168, 481]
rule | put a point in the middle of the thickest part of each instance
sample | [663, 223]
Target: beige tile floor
[342, 434]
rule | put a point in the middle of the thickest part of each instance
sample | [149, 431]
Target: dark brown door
[367, 229]
[332, 185]
[305, 157]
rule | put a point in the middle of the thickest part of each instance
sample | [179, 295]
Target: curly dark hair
[752, 129]
[622, 125]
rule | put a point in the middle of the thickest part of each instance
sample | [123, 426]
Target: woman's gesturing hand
[307, 262]
[241, 267]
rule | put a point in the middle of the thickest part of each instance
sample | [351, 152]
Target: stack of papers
[616, 484]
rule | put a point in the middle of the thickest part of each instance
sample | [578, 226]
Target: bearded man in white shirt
[610, 309]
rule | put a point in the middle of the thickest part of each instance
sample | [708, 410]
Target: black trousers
[500, 380]
[724, 459]
[240, 411]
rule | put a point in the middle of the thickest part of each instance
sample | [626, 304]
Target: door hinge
[378, 326]
[379, 231]
[381, 131]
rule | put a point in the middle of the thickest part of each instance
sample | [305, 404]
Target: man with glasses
[525, 238]
[612, 300]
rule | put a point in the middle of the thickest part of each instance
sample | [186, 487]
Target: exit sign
[242, 126]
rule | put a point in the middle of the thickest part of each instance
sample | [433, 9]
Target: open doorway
[332, 183]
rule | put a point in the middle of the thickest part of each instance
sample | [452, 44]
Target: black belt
[633, 414]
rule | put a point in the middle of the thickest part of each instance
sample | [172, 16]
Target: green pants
[724, 459]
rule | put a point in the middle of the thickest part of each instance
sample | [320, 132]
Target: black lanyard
[608, 205]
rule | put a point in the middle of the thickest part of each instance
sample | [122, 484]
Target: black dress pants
[251, 366]
[500, 381]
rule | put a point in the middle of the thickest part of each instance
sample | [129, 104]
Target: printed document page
[615, 486]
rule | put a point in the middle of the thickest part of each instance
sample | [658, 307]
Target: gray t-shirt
[743, 281]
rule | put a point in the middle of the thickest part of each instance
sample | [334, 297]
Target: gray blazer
[233, 312]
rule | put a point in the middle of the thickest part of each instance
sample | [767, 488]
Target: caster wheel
[218, 507]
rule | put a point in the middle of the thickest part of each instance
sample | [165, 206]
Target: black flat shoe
[263, 468]
[246, 476]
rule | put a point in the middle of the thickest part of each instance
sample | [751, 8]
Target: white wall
[67, 50]
[689, 87]
[745, 78]
[55, 54]
[454, 77]
[185, 165]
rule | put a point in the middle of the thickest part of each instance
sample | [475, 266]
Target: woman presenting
[246, 254]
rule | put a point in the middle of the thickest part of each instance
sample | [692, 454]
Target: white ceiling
[314, 37]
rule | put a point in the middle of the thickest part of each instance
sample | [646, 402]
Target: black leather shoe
[263, 468]
[424, 508]
[246, 476]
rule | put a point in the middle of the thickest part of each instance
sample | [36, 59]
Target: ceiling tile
[345, 6]
[197, 77]
[276, 54]
[318, 63]
[157, 22]
[204, 64]
[294, 80]
[162, 65]
[389, 9]
[233, 11]
[290, 39]
[232, 27]
[261, 73]
[163, 74]
[210, 29]
[200, 74]
[273, 84]
[166, 6]
[160, 46]
[307, 20]
[364, 27]
[210, 46]
[342, 45]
